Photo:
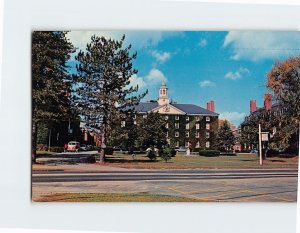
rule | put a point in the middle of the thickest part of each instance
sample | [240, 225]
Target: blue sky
[228, 67]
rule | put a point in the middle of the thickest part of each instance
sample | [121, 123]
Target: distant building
[187, 124]
[268, 109]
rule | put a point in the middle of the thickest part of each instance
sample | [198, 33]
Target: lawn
[180, 161]
[113, 197]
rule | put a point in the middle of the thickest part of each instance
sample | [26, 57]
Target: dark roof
[146, 107]
[187, 108]
[194, 109]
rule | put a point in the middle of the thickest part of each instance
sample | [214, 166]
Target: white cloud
[161, 56]
[135, 80]
[255, 45]
[233, 117]
[155, 76]
[203, 43]
[138, 39]
[207, 83]
[237, 74]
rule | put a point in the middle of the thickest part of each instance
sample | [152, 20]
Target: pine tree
[104, 72]
[50, 80]
[225, 138]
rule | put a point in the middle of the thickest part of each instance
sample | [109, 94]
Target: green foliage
[151, 154]
[225, 138]
[51, 99]
[103, 83]
[209, 153]
[166, 154]
[152, 131]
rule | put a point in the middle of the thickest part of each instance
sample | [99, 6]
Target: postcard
[165, 116]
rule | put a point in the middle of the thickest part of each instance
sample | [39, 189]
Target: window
[186, 144]
[207, 118]
[197, 118]
[187, 134]
[197, 144]
[187, 126]
[187, 118]
[207, 135]
[144, 116]
[177, 144]
[166, 117]
[134, 122]
[122, 123]
[167, 125]
[167, 134]
[176, 134]
[197, 126]
[197, 134]
[207, 126]
[134, 116]
[207, 144]
[176, 125]
[176, 118]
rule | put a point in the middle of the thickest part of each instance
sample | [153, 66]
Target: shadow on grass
[119, 160]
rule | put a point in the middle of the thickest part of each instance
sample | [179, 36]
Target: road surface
[278, 185]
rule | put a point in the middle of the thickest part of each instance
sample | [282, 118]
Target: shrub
[151, 155]
[209, 153]
[173, 152]
[109, 150]
[166, 154]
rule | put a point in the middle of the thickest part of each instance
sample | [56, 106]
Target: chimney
[208, 106]
[268, 101]
[253, 106]
[212, 106]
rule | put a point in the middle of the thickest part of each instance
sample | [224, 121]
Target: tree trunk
[103, 144]
[33, 142]
[102, 155]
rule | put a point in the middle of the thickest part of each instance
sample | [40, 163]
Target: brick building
[187, 124]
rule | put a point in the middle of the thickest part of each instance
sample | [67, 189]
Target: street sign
[265, 137]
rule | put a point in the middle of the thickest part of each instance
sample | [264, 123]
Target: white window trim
[197, 126]
[207, 126]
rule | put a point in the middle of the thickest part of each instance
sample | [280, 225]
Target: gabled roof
[194, 109]
[189, 109]
[146, 106]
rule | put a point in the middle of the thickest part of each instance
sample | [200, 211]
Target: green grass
[113, 197]
[181, 161]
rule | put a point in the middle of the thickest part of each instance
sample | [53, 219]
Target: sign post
[259, 143]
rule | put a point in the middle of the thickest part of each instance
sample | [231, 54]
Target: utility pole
[259, 142]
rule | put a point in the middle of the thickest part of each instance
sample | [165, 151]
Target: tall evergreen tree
[50, 80]
[104, 72]
[225, 138]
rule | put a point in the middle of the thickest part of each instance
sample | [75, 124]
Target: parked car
[254, 151]
[181, 149]
[83, 147]
[89, 147]
[73, 146]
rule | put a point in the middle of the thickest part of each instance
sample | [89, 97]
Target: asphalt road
[274, 185]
